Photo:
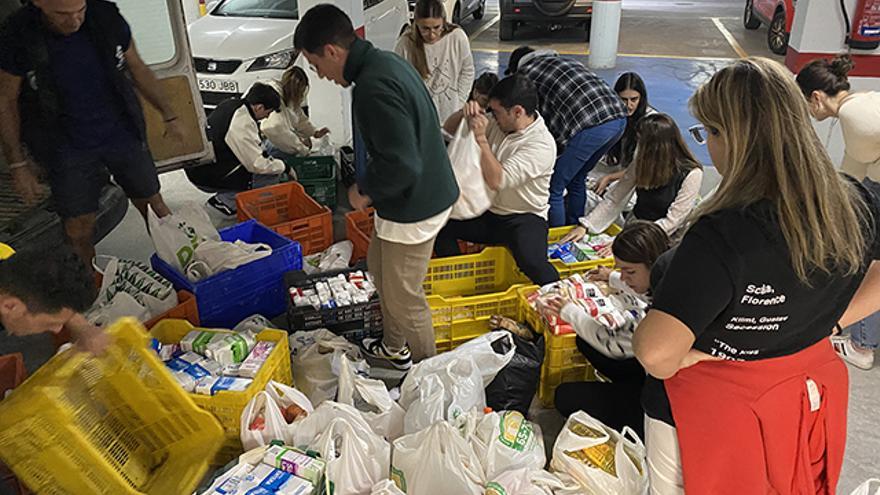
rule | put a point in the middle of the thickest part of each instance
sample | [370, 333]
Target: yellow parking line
[729, 37]
[634, 55]
[486, 27]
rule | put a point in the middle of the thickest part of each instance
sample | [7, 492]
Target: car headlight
[278, 60]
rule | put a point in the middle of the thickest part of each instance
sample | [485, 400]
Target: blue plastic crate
[257, 287]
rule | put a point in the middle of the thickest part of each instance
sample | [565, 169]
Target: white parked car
[240, 42]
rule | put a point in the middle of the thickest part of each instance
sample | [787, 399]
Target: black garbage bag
[515, 386]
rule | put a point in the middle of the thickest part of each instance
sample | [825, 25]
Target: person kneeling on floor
[636, 249]
[517, 153]
[239, 160]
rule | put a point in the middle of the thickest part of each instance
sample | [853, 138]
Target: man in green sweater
[408, 178]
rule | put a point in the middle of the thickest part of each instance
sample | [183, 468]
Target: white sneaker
[859, 358]
[375, 348]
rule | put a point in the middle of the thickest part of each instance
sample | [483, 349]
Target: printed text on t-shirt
[754, 293]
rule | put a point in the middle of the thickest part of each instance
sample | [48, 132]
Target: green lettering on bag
[185, 255]
[398, 478]
[494, 488]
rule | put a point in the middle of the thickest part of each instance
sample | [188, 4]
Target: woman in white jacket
[289, 130]
[664, 174]
[441, 53]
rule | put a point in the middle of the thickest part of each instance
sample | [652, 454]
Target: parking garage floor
[674, 45]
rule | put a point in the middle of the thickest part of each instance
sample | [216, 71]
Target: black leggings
[617, 404]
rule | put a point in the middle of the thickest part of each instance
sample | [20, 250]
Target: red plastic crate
[12, 373]
[289, 211]
[359, 230]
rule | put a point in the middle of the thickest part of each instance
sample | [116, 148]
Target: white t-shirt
[450, 70]
[527, 157]
[860, 122]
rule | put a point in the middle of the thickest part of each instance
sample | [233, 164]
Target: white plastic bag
[274, 427]
[506, 441]
[447, 393]
[336, 257]
[253, 324]
[480, 350]
[129, 288]
[436, 460]
[386, 487]
[176, 236]
[370, 397]
[869, 487]
[304, 432]
[286, 396]
[356, 458]
[428, 408]
[464, 155]
[212, 257]
[584, 437]
[530, 482]
[316, 362]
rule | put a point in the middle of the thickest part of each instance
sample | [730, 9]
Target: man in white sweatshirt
[517, 154]
[239, 160]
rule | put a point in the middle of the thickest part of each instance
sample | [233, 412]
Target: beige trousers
[399, 271]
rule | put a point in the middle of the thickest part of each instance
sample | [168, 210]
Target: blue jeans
[866, 333]
[581, 154]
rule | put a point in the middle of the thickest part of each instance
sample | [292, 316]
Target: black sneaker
[214, 202]
[375, 348]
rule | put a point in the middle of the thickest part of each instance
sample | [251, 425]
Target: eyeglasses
[699, 133]
[430, 29]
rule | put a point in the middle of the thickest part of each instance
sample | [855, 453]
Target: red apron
[773, 426]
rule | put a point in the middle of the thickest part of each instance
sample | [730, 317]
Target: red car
[778, 15]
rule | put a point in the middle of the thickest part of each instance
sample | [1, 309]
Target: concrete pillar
[604, 32]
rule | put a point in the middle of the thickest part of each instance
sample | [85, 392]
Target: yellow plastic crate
[566, 270]
[116, 424]
[227, 406]
[491, 270]
[459, 319]
[563, 362]
[552, 378]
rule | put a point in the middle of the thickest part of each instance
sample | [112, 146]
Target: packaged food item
[198, 340]
[256, 359]
[233, 348]
[186, 381]
[168, 351]
[234, 479]
[295, 462]
[293, 412]
[211, 385]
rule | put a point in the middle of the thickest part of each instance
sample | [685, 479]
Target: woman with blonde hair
[288, 130]
[441, 53]
[777, 258]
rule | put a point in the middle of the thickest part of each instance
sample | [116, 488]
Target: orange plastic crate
[289, 211]
[359, 230]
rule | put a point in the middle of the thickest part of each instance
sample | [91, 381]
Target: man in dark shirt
[68, 73]
[584, 115]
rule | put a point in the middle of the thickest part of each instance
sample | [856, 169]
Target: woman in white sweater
[288, 130]
[665, 175]
[441, 53]
[826, 86]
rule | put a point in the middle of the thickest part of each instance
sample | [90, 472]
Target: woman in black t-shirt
[740, 324]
